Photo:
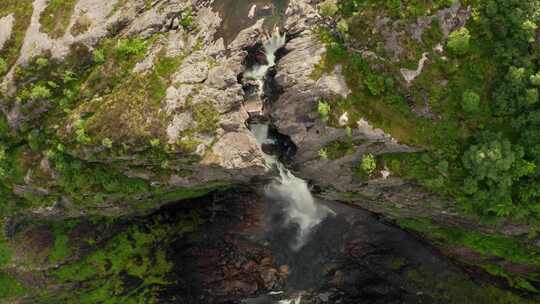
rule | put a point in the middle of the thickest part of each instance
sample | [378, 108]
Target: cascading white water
[300, 208]
[271, 45]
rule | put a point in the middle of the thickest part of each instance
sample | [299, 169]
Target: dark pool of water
[350, 258]
[235, 15]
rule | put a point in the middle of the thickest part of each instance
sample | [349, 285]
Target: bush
[98, 56]
[471, 102]
[329, 8]
[323, 154]
[187, 18]
[324, 110]
[368, 164]
[42, 62]
[3, 66]
[107, 143]
[366, 167]
[532, 96]
[40, 92]
[458, 41]
[130, 47]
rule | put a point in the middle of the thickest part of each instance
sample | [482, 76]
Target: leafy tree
[532, 96]
[471, 102]
[459, 40]
[535, 79]
[495, 166]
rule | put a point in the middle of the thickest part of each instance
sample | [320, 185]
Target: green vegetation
[130, 268]
[329, 8]
[61, 248]
[324, 110]
[3, 66]
[5, 252]
[22, 10]
[471, 102]
[480, 143]
[366, 167]
[509, 249]
[459, 41]
[206, 117]
[10, 287]
[186, 18]
[489, 245]
[340, 148]
[55, 18]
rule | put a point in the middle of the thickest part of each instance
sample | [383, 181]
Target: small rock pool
[236, 15]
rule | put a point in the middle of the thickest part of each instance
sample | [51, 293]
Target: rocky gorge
[134, 169]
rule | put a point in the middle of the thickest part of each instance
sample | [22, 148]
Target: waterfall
[271, 45]
[300, 208]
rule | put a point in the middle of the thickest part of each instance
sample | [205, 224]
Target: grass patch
[341, 148]
[55, 18]
[5, 253]
[61, 248]
[206, 116]
[22, 10]
[10, 287]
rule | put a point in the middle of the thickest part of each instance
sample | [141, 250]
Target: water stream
[299, 207]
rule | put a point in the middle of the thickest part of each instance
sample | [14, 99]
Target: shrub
[3, 66]
[98, 56]
[368, 164]
[459, 40]
[323, 154]
[329, 8]
[107, 143]
[535, 79]
[324, 110]
[130, 47]
[42, 62]
[532, 96]
[186, 18]
[40, 92]
[155, 142]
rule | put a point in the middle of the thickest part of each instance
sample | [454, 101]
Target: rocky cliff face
[115, 108]
[158, 103]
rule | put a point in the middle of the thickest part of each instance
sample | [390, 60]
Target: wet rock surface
[243, 253]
